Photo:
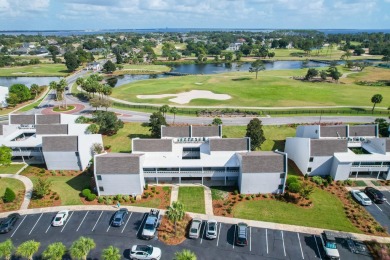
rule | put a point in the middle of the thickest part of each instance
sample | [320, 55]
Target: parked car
[211, 229]
[375, 195]
[361, 197]
[119, 217]
[151, 224]
[329, 244]
[195, 228]
[146, 252]
[60, 218]
[242, 234]
[9, 223]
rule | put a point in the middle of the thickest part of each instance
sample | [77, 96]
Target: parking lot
[381, 212]
[262, 243]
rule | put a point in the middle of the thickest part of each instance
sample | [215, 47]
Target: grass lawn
[59, 70]
[142, 69]
[153, 203]
[192, 199]
[327, 212]
[10, 169]
[68, 187]
[121, 142]
[14, 184]
[271, 89]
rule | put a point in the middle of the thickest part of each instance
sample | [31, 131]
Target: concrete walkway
[252, 223]
[208, 201]
[368, 183]
[28, 185]
[174, 193]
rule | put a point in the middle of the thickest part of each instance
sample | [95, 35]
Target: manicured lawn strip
[38, 70]
[327, 212]
[268, 90]
[360, 183]
[10, 169]
[192, 199]
[153, 203]
[376, 183]
[14, 184]
[68, 188]
[121, 142]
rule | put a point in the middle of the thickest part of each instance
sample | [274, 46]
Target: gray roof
[333, 131]
[175, 131]
[262, 162]
[52, 129]
[118, 163]
[229, 144]
[22, 119]
[152, 145]
[59, 144]
[362, 130]
[327, 147]
[48, 119]
[205, 131]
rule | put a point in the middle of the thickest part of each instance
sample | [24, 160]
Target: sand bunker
[186, 97]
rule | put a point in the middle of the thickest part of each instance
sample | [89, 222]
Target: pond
[28, 81]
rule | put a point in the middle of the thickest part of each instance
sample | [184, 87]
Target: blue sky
[137, 14]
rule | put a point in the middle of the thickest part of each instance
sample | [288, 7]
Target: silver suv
[211, 229]
[195, 228]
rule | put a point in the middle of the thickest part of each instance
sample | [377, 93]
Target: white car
[60, 218]
[211, 229]
[361, 197]
[196, 225]
[147, 252]
[329, 244]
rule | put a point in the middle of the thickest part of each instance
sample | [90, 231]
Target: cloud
[23, 8]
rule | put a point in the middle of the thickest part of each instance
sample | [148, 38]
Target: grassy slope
[192, 198]
[11, 169]
[327, 212]
[35, 70]
[272, 88]
[68, 187]
[14, 184]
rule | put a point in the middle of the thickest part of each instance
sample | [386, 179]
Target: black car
[242, 234]
[119, 217]
[9, 223]
[375, 195]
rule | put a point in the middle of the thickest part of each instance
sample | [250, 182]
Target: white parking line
[204, 231]
[300, 246]
[19, 226]
[35, 224]
[284, 249]
[250, 238]
[67, 221]
[266, 239]
[234, 238]
[377, 207]
[142, 221]
[315, 240]
[387, 203]
[219, 232]
[131, 213]
[82, 221]
[97, 221]
[49, 225]
[109, 225]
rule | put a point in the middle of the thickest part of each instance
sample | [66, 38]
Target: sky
[142, 14]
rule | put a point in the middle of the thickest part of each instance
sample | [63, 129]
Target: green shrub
[100, 199]
[42, 171]
[265, 196]
[157, 192]
[306, 177]
[53, 173]
[292, 179]
[85, 192]
[295, 187]
[146, 186]
[57, 198]
[126, 198]
[132, 200]
[118, 197]
[91, 197]
[229, 210]
[329, 179]
[317, 180]
[248, 198]
[242, 196]
[348, 182]
[108, 201]
[153, 189]
[235, 192]
[107, 147]
[9, 195]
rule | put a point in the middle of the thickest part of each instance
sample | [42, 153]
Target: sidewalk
[252, 223]
[28, 185]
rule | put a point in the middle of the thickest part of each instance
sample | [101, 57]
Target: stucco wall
[250, 183]
[321, 165]
[61, 161]
[308, 131]
[126, 184]
[340, 171]
[85, 143]
[298, 150]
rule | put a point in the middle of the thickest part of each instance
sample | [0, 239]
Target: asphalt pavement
[381, 212]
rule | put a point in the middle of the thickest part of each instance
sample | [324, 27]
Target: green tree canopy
[28, 249]
[81, 248]
[111, 253]
[6, 249]
[9, 195]
[376, 99]
[21, 91]
[109, 67]
[257, 66]
[54, 251]
[5, 155]
[156, 120]
[311, 73]
[185, 255]
[108, 122]
[175, 213]
[41, 187]
[254, 130]
[71, 61]
[217, 121]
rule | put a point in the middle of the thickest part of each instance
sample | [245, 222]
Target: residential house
[4, 91]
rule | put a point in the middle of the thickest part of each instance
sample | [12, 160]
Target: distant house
[4, 91]
[42, 51]
[52, 42]
[21, 51]
[97, 50]
[234, 46]
[93, 66]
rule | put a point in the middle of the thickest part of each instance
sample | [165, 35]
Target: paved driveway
[262, 243]
[381, 212]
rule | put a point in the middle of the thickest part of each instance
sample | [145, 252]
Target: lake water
[28, 81]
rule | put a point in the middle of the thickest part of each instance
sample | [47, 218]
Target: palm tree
[111, 253]
[164, 109]
[174, 111]
[81, 247]
[61, 89]
[28, 249]
[175, 213]
[185, 255]
[54, 251]
[34, 89]
[376, 99]
[6, 249]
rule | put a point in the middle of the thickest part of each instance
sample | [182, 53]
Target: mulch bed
[166, 231]
[15, 205]
[52, 199]
[41, 171]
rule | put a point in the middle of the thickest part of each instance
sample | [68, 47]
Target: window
[99, 177]
[280, 187]
[311, 159]
[309, 169]
[282, 175]
[101, 188]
